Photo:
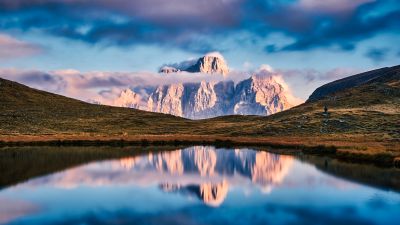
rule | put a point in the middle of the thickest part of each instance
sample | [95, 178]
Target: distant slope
[363, 119]
[351, 82]
[27, 111]
[366, 118]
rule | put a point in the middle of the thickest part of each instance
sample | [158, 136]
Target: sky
[72, 46]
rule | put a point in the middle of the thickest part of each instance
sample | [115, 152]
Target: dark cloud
[377, 54]
[182, 65]
[342, 30]
[181, 23]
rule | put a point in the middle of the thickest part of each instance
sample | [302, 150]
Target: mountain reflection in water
[212, 171]
[196, 185]
[204, 172]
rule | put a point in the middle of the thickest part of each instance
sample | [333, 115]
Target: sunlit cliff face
[202, 172]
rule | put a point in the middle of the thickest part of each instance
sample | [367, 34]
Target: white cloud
[332, 5]
[13, 48]
[106, 86]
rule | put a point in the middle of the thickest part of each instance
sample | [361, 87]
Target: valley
[362, 121]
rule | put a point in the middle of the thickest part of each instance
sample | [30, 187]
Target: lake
[195, 185]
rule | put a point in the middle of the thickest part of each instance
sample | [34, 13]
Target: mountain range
[362, 120]
[261, 94]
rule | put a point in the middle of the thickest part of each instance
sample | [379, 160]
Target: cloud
[341, 27]
[196, 25]
[312, 75]
[101, 86]
[332, 6]
[105, 87]
[123, 22]
[192, 61]
[13, 48]
[377, 54]
[182, 65]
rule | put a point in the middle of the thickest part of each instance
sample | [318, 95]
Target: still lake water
[198, 185]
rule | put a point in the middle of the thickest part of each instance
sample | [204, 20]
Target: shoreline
[346, 150]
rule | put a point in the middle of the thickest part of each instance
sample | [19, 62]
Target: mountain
[168, 69]
[362, 122]
[128, 98]
[211, 63]
[27, 111]
[351, 82]
[258, 95]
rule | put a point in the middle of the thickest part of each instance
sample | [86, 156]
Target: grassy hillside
[27, 111]
[370, 109]
[362, 120]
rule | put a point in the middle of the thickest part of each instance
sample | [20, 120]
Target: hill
[27, 111]
[362, 120]
[350, 82]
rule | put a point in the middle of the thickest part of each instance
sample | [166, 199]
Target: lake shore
[359, 149]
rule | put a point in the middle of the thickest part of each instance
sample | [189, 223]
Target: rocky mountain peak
[260, 94]
[257, 95]
[211, 63]
[128, 98]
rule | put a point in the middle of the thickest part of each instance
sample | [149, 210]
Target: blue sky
[309, 38]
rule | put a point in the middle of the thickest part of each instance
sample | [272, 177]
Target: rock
[167, 99]
[128, 98]
[261, 94]
[168, 69]
[254, 96]
[211, 63]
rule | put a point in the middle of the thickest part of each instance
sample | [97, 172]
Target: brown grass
[362, 122]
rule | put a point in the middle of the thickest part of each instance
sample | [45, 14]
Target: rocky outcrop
[257, 95]
[167, 99]
[128, 98]
[212, 63]
[261, 94]
[168, 69]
